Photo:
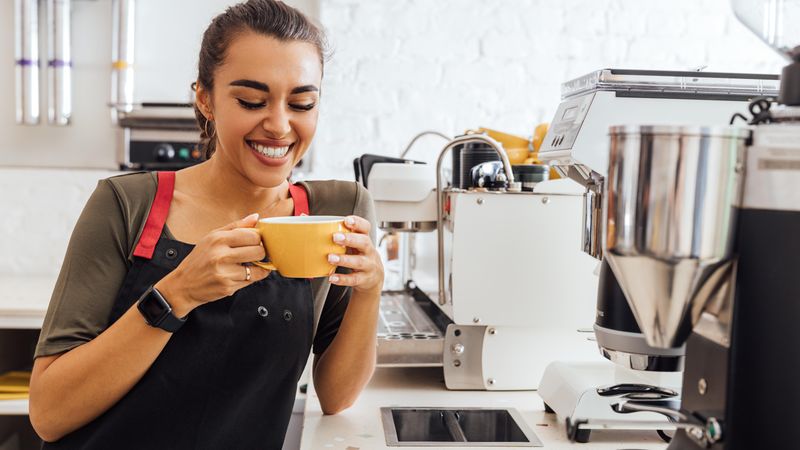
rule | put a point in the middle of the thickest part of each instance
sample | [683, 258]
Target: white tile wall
[401, 66]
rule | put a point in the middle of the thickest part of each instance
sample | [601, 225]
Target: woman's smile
[269, 153]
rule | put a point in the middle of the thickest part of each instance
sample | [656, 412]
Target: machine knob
[165, 153]
[457, 349]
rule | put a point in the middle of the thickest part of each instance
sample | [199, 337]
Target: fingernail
[333, 278]
[338, 237]
[349, 220]
[252, 216]
[333, 259]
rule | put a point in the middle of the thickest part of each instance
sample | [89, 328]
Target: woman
[220, 370]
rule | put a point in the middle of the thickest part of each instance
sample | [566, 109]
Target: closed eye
[248, 105]
[307, 107]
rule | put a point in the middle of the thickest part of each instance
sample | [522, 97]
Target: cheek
[306, 126]
[233, 125]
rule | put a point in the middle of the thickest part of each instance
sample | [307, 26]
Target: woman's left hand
[361, 257]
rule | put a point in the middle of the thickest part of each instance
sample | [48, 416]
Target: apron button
[172, 253]
[287, 315]
[262, 311]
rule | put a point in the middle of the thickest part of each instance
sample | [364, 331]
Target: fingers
[355, 262]
[352, 279]
[360, 242]
[357, 224]
[239, 237]
[246, 222]
[240, 255]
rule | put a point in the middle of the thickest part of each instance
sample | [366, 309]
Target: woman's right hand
[214, 270]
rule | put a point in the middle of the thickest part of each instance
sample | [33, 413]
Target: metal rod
[26, 60]
[463, 139]
[424, 133]
[453, 427]
[59, 62]
[122, 56]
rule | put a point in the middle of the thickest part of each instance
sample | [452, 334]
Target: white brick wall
[401, 66]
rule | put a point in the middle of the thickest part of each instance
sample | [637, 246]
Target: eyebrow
[263, 86]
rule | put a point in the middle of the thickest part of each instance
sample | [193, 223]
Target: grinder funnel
[670, 200]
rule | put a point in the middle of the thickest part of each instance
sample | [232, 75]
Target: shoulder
[133, 185]
[134, 193]
[337, 197]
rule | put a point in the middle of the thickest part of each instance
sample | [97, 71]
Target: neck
[219, 181]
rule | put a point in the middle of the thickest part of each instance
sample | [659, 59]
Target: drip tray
[410, 329]
[456, 427]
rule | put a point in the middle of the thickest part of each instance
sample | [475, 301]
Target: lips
[270, 155]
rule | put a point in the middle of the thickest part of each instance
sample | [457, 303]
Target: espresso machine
[644, 380]
[504, 287]
[700, 227]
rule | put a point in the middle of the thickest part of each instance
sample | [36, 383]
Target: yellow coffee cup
[298, 246]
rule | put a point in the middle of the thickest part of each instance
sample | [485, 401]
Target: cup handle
[264, 265]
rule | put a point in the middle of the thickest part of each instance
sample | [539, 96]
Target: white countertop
[24, 300]
[360, 427]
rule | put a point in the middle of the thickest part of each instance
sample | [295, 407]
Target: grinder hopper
[670, 202]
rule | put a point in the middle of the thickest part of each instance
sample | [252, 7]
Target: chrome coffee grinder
[634, 373]
[700, 232]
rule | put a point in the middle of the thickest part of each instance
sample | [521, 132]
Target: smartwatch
[157, 312]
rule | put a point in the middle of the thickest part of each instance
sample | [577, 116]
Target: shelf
[14, 407]
[24, 300]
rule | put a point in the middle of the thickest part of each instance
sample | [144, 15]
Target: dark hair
[268, 17]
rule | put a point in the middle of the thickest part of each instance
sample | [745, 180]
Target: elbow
[43, 424]
[330, 408]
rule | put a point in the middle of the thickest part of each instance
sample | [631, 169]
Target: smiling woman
[160, 332]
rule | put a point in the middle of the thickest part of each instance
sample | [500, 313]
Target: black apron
[227, 379]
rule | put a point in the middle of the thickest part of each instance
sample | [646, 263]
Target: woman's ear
[203, 101]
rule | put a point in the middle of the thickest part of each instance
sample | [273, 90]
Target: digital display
[570, 113]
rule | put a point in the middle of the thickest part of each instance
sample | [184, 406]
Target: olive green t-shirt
[100, 252]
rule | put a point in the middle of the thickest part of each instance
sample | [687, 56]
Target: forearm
[348, 363]
[83, 383]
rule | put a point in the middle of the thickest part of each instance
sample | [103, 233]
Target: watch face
[153, 307]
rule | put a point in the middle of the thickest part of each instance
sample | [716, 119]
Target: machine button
[165, 153]
[183, 153]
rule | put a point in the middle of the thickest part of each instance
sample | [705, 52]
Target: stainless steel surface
[628, 406]
[418, 136]
[26, 59]
[59, 62]
[592, 232]
[774, 22]
[672, 82]
[631, 350]
[463, 139]
[640, 361]
[407, 226]
[456, 427]
[463, 362]
[670, 200]
[122, 55]
[407, 334]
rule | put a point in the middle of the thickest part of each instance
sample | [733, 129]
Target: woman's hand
[361, 257]
[214, 270]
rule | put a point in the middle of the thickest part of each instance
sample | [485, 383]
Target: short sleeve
[339, 296]
[93, 270]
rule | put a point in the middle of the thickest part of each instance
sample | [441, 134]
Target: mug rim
[306, 220]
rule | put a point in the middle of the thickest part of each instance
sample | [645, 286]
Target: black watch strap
[157, 311]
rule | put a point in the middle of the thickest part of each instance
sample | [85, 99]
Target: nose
[276, 124]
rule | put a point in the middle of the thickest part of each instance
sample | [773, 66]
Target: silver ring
[247, 273]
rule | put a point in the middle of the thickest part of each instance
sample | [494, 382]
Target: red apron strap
[157, 216]
[300, 197]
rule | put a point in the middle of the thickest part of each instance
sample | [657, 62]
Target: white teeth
[272, 152]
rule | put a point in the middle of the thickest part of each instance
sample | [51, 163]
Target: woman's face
[264, 105]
